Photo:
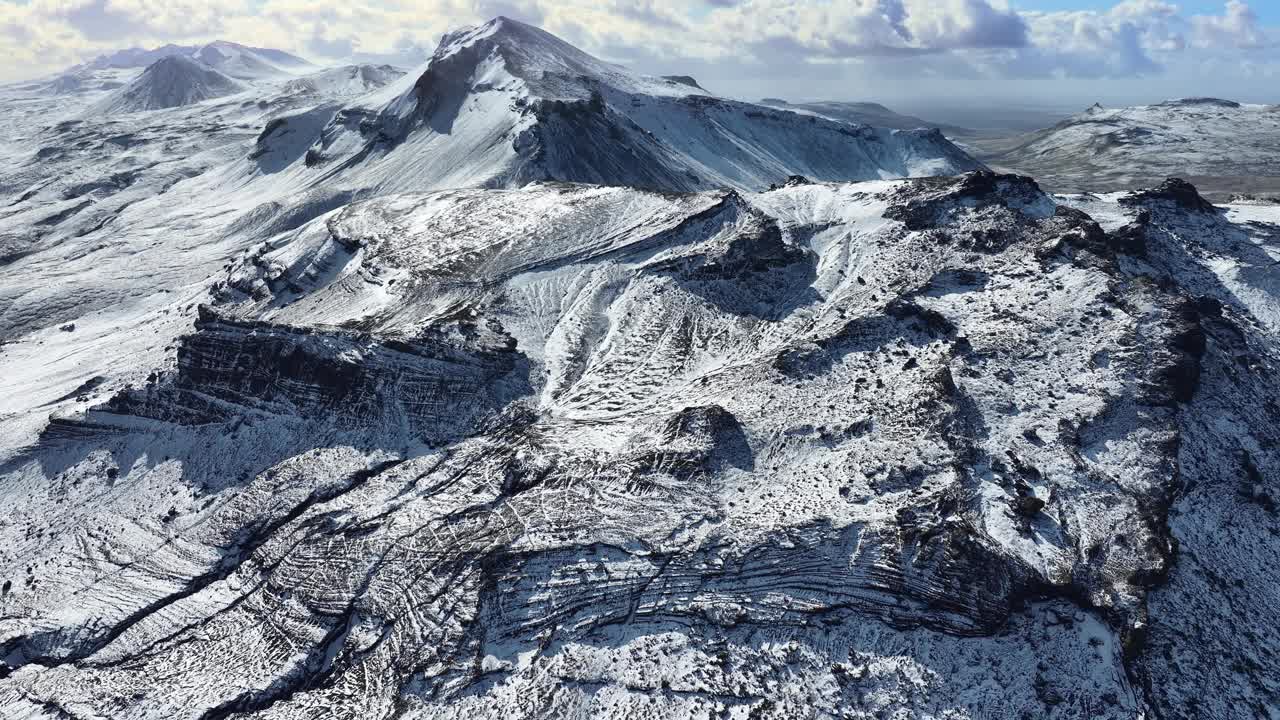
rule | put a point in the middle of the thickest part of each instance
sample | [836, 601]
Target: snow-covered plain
[294, 429]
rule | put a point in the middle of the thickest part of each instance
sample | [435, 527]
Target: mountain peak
[171, 81]
[549, 66]
[168, 63]
[504, 31]
[505, 104]
[231, 58]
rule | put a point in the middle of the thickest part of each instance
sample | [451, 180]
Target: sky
[1043, 53]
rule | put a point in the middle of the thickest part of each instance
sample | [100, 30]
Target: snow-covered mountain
[238, 61]
[1224, 146]
[250, 63]
[82, 82]
[586, 451]
[866, 113]
[289, 430]
[345, 81]
[133, 57]
[169, 82]
[505, 104]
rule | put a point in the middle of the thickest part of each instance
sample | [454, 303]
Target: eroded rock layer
[924, 448]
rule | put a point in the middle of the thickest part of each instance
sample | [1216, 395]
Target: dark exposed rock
[110, 184]
[1026, 505]
[1253, 485]
[1202, 101]
[1132, 238]
[683, 80]
[1187, 346]
[792, 181]
[934, 202]
[1174, 190]
[437, 384]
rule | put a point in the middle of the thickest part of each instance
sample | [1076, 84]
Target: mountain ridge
[868, 113]
[170, 82]
[242, 62]
[504, 103]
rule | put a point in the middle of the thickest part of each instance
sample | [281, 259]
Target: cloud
[1118, 43]
[113, 20]
[770, 38]
[1237, 28]
[867, 27]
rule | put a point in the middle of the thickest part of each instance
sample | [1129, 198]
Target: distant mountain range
[171, 81]
[867, 113]
[1223, 146]
[238, 61]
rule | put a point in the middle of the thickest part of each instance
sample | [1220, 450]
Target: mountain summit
[239, 61]
[171, 81]
[505, 104]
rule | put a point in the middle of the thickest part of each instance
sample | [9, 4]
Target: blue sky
[1060, 52]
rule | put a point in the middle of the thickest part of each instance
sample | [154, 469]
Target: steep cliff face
[925, 446]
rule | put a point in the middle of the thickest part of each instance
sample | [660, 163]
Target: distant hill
[1223, 146]
[238, 61]
[171, 81]
[867, 113]
[345, 81]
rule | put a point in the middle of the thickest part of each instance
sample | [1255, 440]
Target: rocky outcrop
[436, 386]
[1174, 190]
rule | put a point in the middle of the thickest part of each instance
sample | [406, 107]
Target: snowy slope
[1223, 146]
[505, 104]
[344, 81]
[918, 448]
[80, 186]
[170, 82]
[866, 113]
[86, 194]
[82, 82]
[238, 61]
[249, 63]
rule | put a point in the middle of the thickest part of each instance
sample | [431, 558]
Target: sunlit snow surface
[325, 440]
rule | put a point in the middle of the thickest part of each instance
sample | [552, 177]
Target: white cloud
[867, 27]
[963, 39]
[1238, 28]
